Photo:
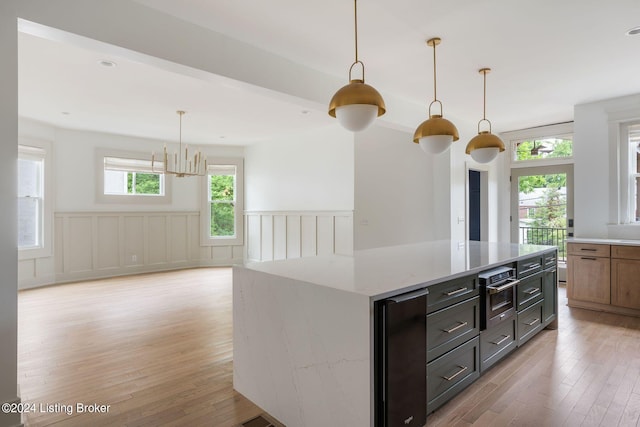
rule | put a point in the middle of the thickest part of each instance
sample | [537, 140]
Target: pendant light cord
[484, 106]
[355, 17]
[435, 95]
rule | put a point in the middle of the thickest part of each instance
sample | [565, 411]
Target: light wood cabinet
[589, 273]
[625, 276]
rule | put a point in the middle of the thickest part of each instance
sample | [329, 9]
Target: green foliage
[561, 148]
[222, 205]
[222, 187]
[222, 219]
[551, 210]
[549, 223]
[145, 183]
[526, 184]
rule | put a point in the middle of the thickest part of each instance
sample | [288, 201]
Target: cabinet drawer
[497, 342]
[550, 260]
[588, 249]
[625, 252]
[452, 372]
[527, 267]
[529, 322]
[529, 291]
[452, 326]
[444, 294]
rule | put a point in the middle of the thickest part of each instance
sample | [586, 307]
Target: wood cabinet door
[625, 283]
[589, 279]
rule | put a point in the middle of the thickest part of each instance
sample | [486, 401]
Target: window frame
[627, 175]
[102, 197]
[560, 130]
[205, 211]
[40, 150]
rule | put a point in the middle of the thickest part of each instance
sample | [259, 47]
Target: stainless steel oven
[498, 289]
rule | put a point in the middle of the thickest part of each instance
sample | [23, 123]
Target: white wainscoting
[103, 244]
[276, 235]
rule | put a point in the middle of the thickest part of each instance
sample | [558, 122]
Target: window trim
[25, 150]
[205, 215]
[626, 213]
[127, 199]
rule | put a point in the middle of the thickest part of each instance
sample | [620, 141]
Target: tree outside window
[222, 200]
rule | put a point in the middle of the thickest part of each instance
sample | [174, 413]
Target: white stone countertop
[623, 242]
[382, 272]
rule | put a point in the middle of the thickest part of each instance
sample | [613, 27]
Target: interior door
[542, 205]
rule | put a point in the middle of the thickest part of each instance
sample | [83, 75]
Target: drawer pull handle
[533, 322]
[504, 338]
[532, 291]
[509, 284]
[462, 369]
[457, 291]
[589, 259]
[588, 249]
[455, 328]
[532, 266]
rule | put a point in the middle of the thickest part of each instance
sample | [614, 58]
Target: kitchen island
[308, 337]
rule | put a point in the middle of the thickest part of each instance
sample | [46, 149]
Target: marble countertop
[382, 272]
[624, 242]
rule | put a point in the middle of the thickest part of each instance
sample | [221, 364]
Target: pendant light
[485, 146]
[435, 134]
[357, 104]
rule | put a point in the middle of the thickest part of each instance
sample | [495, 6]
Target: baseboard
[12, 419]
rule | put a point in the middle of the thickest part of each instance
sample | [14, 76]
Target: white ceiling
[546, 56]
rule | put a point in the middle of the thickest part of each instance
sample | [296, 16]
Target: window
[129, 177]
[634, 172]
[30, 197]
[543, 148]
[34, 204]
[222, 208]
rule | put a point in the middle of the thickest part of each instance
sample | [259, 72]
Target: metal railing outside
[546, 236]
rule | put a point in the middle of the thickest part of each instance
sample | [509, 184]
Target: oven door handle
[510, 283]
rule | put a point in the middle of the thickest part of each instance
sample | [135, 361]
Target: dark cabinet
[452, 326]
[402, 360]
[452, 372]
[529, 291]
[497, 342]
[529, 323]
[550, 292]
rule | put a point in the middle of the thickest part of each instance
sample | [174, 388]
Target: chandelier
[178, 163]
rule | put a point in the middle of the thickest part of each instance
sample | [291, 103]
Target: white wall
[596, 175]
[76, 151]
[109, 246]
[8, 212]
[394, 195]
[309, 171]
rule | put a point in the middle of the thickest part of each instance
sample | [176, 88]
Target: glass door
[542, 205]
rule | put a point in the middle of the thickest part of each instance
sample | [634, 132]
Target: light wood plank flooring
[158, 349]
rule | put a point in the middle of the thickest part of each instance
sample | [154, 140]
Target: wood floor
[158, 349]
